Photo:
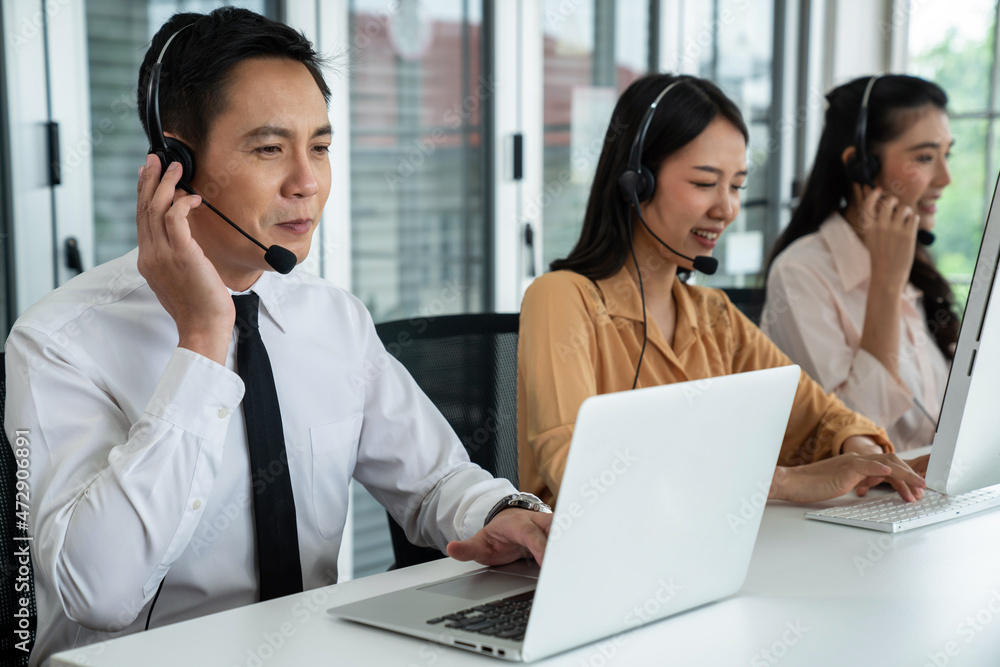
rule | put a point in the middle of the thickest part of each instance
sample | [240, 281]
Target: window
[958, 50]
[418, 227]
[594, 50]
[418, 178]
[118, 33]
[731, 43]
[740, 62]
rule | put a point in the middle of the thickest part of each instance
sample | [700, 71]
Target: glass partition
[958, 51]
[118, 33]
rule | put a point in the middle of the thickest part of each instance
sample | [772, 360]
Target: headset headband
[635, 155]
[153, 124]
[862, 127]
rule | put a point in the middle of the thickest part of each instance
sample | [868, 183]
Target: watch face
[522, 500]
[529, 502]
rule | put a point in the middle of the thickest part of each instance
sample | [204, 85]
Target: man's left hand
[513, 534]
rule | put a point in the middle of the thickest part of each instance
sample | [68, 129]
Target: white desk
[817, 594]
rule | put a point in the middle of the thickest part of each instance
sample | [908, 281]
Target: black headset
[861, 167]
[638, 183]
[169, 150]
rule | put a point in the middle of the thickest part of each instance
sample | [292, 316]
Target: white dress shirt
[817, 295]
[139, 469]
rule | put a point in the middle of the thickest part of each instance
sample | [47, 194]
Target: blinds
[372, 546]
[118, 34]
[418, 228]
[417, 162]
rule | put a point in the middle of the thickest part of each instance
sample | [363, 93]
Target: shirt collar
[621, 299]
[271, 290]
[851, 258]
[850, 255]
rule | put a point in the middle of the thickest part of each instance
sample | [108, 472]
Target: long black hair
[892, 97]
[683, 114]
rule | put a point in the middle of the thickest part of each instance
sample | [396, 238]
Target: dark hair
[683, 114]
[892, 97]
[199, 61]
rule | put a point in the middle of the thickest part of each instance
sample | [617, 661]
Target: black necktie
[273, 505]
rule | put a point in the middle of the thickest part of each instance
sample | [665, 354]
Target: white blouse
[817, 293]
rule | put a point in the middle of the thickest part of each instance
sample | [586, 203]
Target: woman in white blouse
[852, 296]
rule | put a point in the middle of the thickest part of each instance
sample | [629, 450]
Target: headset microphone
[861, 168]
[637, 184]
[280, 259]
[168, 150]
[703, 263]
[707, 265]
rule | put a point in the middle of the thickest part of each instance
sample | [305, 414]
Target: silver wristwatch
[526, 501]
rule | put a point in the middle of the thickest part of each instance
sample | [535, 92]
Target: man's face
[265, 165]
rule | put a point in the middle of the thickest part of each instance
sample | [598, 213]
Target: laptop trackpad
[481, 585]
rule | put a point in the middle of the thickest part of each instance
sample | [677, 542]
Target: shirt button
[223, 413]
[196, 504]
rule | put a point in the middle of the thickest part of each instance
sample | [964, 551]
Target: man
[148, 484]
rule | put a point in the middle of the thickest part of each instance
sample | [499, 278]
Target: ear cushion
[628, 184]
[862, 171]
[178, 151]
[647, 184]
[641, 183]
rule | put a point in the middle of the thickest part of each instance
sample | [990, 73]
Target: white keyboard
[893, 514]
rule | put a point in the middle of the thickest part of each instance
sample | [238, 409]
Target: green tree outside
[962, 68]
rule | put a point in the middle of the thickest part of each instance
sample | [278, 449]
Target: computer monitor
[966, 451]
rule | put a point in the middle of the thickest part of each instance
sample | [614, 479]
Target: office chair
[10, 597]
[467, 366]
[750, 301]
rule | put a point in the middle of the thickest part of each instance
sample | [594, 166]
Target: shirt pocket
[334, 454]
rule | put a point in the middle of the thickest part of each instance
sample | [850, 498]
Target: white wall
[47, 80]
[32, 205]
[857, 39]
[846, 39]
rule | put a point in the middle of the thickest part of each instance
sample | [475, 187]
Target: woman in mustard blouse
[584, 328]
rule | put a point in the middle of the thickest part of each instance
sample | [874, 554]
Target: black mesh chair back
[467, 366]
[750, 301]
[16, 583]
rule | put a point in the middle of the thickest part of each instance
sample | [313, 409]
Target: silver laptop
[635, 537]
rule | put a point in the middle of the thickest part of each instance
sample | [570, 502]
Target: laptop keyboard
[506, 618]
[893, 514]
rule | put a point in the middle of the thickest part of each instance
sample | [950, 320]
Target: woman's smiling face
[914, 165]
[697, 193]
